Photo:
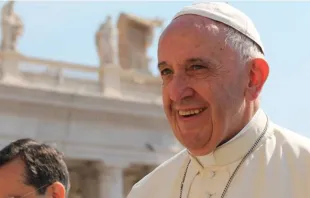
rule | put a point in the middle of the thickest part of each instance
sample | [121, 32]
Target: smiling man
[32, 170]
[213, 69]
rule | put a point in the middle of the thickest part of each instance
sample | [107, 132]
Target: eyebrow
[192, 61]
[162, 64]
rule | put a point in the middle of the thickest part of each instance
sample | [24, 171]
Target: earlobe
[56, 190]
[259, 71]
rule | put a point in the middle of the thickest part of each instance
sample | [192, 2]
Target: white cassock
[279, 167]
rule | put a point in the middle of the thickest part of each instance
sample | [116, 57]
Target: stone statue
[12, 27]
[155, 23]
[104, 42]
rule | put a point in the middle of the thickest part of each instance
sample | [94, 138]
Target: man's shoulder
[165, 173]
[289, 139]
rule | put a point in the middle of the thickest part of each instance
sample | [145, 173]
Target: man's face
[12, 178]
[203, 83]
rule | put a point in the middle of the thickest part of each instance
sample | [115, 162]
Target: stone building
[112, 129]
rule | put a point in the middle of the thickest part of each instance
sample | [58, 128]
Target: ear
[258, 74]
[56, 190]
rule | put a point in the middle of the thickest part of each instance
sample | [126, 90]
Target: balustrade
[109, 80]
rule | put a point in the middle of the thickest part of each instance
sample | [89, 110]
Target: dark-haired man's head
[29, 169]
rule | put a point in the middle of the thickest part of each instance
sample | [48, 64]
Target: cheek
[215, 93]
[205, 90]
[165, 99]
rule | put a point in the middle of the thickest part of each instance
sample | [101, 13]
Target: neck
[245, 117]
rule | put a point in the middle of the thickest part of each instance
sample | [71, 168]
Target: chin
[198, 147]
[192, 144]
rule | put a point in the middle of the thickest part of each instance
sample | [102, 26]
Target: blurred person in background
[213, 69]
[29, 169]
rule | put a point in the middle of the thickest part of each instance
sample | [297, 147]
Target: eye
[196, 67]
[165, 72]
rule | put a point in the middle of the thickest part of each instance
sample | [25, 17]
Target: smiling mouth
[190, 113]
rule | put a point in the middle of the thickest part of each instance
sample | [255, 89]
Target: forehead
[192, 36]
[12, 179]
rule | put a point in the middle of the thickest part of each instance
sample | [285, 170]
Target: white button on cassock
[211, 174]
[210, 195]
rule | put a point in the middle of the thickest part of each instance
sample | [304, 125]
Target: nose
[179, 89]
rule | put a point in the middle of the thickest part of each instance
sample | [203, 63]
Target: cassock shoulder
[292, 142]
[160, 177]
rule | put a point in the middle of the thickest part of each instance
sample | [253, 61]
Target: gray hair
[244, 46]
[241, 44]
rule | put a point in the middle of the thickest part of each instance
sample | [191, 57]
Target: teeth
[190, 112]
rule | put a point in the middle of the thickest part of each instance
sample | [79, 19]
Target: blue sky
[65, 31]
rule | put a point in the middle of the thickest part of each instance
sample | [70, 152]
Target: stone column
[90, 190]
[111, 182]
[89, 181]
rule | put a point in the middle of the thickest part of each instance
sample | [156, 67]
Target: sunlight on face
[202, 89]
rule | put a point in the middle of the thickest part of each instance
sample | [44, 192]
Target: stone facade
[111, 128]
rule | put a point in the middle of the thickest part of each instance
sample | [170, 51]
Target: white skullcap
[224, 13]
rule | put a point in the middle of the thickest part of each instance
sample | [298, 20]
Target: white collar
[254, 118]
[236, 148]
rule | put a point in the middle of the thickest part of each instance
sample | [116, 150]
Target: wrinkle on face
[199, 70]
[205, 26]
